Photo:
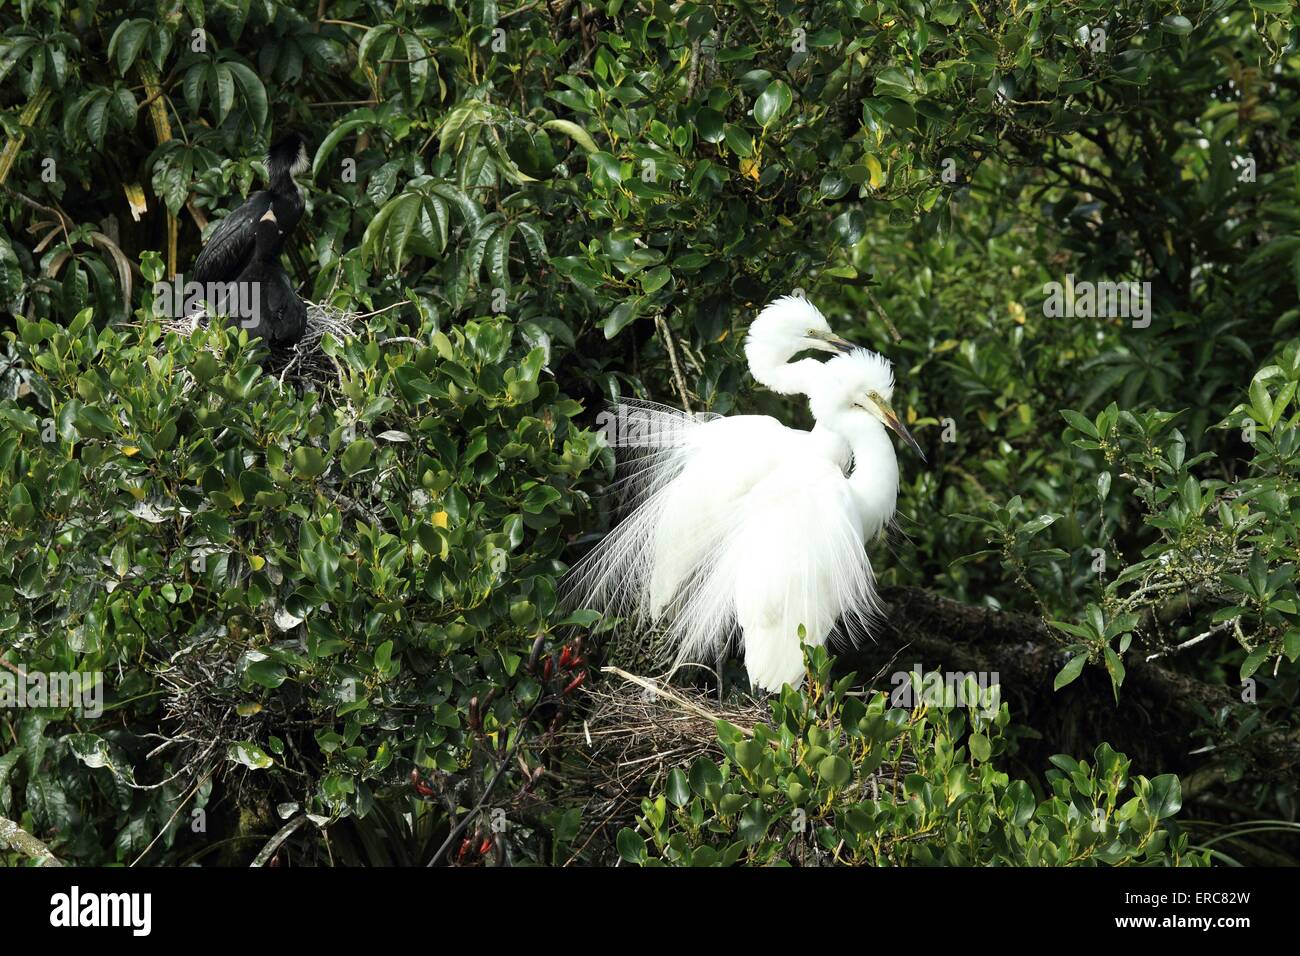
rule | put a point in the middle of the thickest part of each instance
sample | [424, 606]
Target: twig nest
[305, 360]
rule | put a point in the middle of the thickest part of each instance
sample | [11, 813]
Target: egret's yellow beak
[828, 342]
[890, 418]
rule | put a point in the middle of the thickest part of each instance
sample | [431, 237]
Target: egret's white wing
[727, 460]
[793, 553]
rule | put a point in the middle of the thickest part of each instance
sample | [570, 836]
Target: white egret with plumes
[743, 527]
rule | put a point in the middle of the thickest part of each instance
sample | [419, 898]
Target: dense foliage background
[329, 606]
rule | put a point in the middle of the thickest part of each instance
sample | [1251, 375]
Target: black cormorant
[230, 248]
[279, 316]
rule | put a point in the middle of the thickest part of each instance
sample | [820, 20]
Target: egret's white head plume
[791, 319]
[858, 382]
[849, 379]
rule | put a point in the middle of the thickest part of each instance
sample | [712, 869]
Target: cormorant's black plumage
[281, 315]
[230, 248]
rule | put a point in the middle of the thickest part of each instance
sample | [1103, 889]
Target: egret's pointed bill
[836, 343]
[892, 420]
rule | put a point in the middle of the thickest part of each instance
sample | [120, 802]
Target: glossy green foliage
[841, 779]
[349, 570]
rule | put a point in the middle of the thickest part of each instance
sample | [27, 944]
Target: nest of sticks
[305, 360]
[635, 730]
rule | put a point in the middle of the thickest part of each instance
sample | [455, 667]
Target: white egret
[792, 551]
[744, 523]
[682, 469]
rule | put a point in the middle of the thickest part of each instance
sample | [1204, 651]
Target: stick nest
[635, 730]
[305, 360]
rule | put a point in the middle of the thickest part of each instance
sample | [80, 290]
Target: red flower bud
[575, 683]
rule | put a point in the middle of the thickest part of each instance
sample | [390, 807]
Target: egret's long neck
[830, 444]
[777, 372]
[874, 480]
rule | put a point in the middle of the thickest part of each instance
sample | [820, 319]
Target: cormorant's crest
[288, 155]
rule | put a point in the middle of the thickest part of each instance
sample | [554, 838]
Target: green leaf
[266, 673]
[1166, 797]
[748, 754]
[249, 754]
[849, 227]
[1080, 423]
[309, 462]
[127, 41]
[1072, 669]
[772, 103]
[607, 166]
[620, 317]
[835, 771]
[358, 455]
[709, 124]
[652, 280]
[678, 790]
[336, 136]
[1114, 667]
[253, 92]
[574, 132]
[1253, 660]
[1261, 402]
[631, 847]
[740, 142]
[1032, 527]
[753, 822]
[90, 749]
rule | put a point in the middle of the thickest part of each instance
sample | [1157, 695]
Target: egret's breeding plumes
[279, 316]
[695, 473]
[794, 552]
[742, 524]
[231, 246]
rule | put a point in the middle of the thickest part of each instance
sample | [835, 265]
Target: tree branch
[1151, 722]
